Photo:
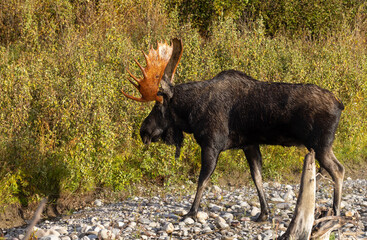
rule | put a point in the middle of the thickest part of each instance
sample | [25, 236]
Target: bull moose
[235, 111]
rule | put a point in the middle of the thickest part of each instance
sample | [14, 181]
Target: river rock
[223, 216]
[221, 223]
[202, 217]
[168, 228]
[98, 202]
[255, 211]
[189, 221]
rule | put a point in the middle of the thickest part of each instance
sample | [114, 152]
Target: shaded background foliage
[65, 127]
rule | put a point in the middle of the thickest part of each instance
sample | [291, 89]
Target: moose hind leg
[254, 159]
[328, 161]
[209, 157]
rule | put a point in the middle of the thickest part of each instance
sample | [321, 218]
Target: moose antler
[156, 63]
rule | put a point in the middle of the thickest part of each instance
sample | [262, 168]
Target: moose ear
[171, 67]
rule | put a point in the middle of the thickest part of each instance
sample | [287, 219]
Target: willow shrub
[65, 127]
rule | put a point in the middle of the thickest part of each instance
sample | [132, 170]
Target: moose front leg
[209, 157]
[254, 159]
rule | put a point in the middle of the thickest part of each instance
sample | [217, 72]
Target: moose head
[161, 65]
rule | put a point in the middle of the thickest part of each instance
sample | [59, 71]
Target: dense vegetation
[65, 127]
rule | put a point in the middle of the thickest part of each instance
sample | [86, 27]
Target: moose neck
[184, 98]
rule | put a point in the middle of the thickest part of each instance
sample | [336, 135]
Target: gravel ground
[225, 214]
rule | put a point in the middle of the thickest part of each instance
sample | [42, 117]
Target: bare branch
[36, 218]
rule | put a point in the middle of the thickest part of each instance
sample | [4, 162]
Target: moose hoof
[189, 215]
[262, 217]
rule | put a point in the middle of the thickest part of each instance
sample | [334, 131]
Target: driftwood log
[325, 222]
[308, 223]
[304, 214]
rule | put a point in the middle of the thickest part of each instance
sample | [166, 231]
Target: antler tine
[135, 78]
[146, 57]
[141, 68]
[135, 85]
[133, 98]
[159, 43]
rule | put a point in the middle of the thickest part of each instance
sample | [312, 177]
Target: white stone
[116, 231]
[61, 230]
[98, 228]
[132, 224]
[50, 237]
[104, 234]
[213, 215]
[202, 217]
[221, 223]
[216, 190]
[215, 208]
[73, 236]
[94, 220]
[267, 235]
[244, 204]
[289, 195]
[47, 232]
[254, 211]
[153, 224]
[86, 229]
[207, 229]
[228, 217]
[168, 228]
[144, 221]
[189, 221]
[98, 202]
[283, 206]
[277, 199]
[343, 204]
